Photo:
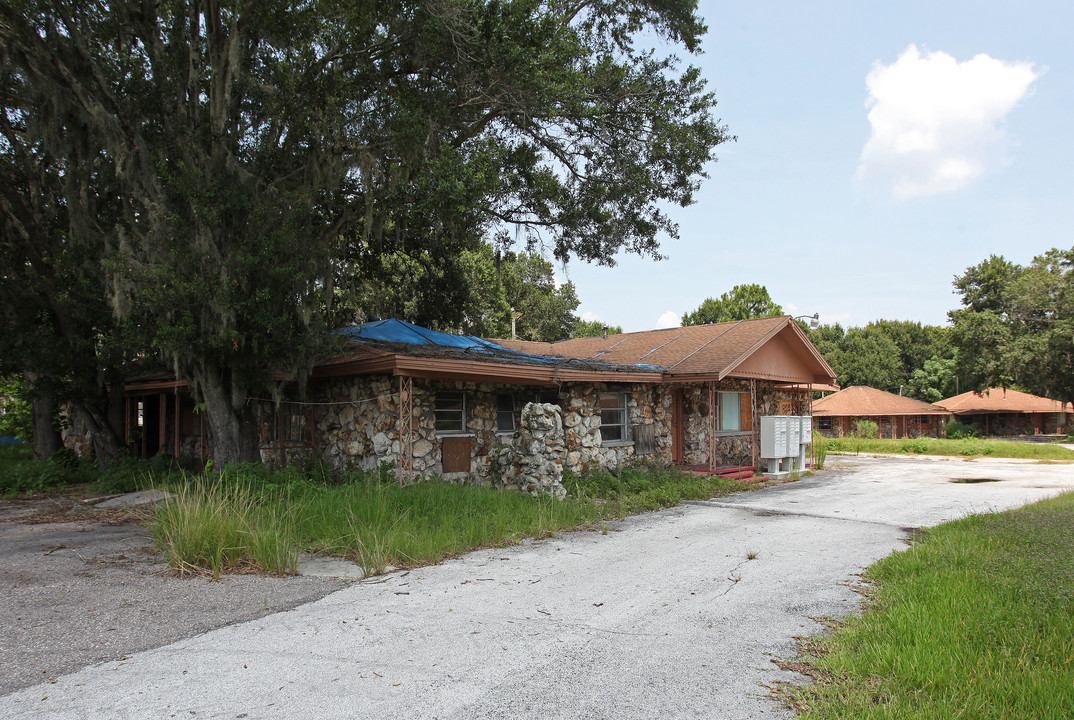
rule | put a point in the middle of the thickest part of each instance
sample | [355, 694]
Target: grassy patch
[974, 621]
[643, 488]
[964, 447]
[249, 516]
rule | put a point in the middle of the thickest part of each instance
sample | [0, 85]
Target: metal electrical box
[783, 442]
[774, 436]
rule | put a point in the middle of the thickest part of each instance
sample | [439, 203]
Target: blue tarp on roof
[400, 331]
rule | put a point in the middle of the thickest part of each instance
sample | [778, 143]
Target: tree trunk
[47, 438]
[231, 419]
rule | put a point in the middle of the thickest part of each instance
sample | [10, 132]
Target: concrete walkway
[664, 616]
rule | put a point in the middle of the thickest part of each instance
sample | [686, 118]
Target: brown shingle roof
[718, 349]
[864, 401]
[998, 400]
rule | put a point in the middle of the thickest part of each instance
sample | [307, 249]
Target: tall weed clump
[820, 450]
[210, 526]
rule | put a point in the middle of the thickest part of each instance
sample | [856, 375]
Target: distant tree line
[1015, 328]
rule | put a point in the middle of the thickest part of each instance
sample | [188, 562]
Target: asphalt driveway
[676, 614]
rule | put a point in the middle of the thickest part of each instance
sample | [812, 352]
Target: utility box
[774, 436]
[794, 436]
[783, 443]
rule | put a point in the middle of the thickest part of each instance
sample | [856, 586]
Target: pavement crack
[774, 511]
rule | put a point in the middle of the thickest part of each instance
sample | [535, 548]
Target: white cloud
[938, 124]
[670, 319]
[589, 316]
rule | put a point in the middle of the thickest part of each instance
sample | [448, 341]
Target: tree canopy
[248, 159]
[742, 302]
[1016, 327]
[594, 328]
[886, 354]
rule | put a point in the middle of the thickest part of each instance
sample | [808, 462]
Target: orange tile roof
[865, 401]
[998, 400]
[718, 349]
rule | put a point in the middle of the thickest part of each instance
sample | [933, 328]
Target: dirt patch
[80, 586]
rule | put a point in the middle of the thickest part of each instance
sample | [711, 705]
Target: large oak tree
[263, 153]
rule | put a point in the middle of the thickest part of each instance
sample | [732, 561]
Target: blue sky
[882, 149]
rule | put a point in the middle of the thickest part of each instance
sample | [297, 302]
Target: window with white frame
[505, 413]
[449, 411]
[613, 417]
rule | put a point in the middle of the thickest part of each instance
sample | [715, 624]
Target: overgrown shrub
[866, 428]
[959, 430]
[21, 474]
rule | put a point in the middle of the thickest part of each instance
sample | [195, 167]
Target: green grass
[974, 621]
[964, 447]
[250, 517]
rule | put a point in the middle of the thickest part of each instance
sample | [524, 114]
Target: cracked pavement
[646, 620]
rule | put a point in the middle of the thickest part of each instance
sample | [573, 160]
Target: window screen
[613, 417]
[450, 412]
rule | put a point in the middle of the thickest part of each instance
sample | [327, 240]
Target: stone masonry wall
[357, 418]
[356, 423]
[732, 448]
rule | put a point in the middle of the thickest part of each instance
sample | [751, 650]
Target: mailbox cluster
[783, 443]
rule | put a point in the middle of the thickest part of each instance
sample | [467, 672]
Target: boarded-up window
[745, 404]
[644, 439]
[456, 453]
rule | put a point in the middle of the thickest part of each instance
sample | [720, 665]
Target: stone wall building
[1006, 412]
[836, 415]
[521, 413]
